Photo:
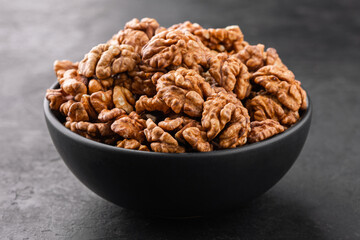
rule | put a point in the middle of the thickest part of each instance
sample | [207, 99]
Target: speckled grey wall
[318, 199]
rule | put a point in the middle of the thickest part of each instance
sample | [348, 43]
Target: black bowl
[179, 185]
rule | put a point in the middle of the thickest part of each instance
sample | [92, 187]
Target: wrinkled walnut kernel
[60, 67]
[123, 99]
[151, 104]
[228, 39]
[186, 26]
[108, 115]
[236, 131]
[101, 100]
[252, 56]
[197, 139]
[85, 100]
[230, 74]
[147, 25]
[134, 38]
[182, 90]
[132, 144]
[261, 130]
[174, 48]
[170, 124]
[264, 107]
[160, 140]
[73, 84]
[142, 82]
[105, 60]
[94, 131]
[64, 108]
[187, 123]
[131, 126]
[57, 97]
[291, 95]
[282, 73]
[77, 112]
[224, 112]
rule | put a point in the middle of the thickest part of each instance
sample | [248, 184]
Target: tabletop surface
[319, 198]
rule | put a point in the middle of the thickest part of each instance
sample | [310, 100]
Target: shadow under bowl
[179, 185]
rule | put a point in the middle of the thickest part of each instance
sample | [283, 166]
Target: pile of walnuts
[177, 89]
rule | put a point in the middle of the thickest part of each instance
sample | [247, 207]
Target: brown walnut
[174, 48]
[105, 60]
[160, 140]
[132, 144]
[261, 130]
[130, 126]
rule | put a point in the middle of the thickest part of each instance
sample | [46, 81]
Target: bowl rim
[49, 115]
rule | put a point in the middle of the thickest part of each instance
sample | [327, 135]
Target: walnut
[289, 94]
[151, 104]
[108, 115]
[303, 96]
[147, 25]
[170, 124]
[131, 126]
[183, 90]
[228, 39]
[73, 84]
[60, 67]
[160, 140]
[138, 81]
[85, 100]
[174, 48]
[187, 123]
[224, 112]
[231, 74]
[142, 80]
[101, 100]
[197, 139]
[64, 108]
[261, 130]
[77, 112]
[132, 144]
[74, 88]
[272, 58]
[96, 85]
[134, 38]
[105, 60]
[123, 99]
[186, 26]
[252, 56]
[236, 131]
[142, 86]
[282, 73]
[56, 97]
[94, 131]
[264, 107]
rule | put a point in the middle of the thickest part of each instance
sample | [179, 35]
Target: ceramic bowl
[179, 185]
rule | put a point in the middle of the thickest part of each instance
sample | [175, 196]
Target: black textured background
[318, 199]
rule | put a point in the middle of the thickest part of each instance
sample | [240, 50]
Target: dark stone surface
[318, 199]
